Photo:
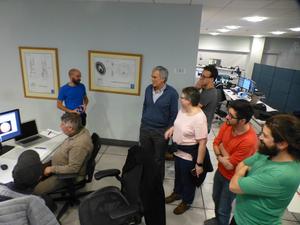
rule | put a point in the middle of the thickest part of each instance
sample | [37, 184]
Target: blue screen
[10, 125]
[246, 84]
[241, 81]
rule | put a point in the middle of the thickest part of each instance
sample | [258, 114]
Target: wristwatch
[199, 164]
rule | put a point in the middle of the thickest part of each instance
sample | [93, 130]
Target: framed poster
[115, 72]
[40, 72]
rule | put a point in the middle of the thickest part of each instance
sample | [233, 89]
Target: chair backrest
[91, 163]
[131, 175]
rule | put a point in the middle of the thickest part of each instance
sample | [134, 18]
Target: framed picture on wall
[114, 72]
[40, 72]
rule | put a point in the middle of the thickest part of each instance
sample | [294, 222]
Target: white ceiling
[282, 14]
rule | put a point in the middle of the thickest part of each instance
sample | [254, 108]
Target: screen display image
[10, 125]
[241, 82]
[246, 84]
[5, 127]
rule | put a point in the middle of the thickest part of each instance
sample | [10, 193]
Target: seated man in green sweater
[70, 157]
[266, 182]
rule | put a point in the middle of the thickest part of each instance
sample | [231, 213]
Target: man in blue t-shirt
[73, 95]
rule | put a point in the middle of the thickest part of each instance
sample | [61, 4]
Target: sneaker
[181, 208]
[211, 221]
[172, 198]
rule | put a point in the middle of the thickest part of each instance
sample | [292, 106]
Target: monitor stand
[5, 148]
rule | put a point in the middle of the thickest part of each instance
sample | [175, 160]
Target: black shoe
[211, 221]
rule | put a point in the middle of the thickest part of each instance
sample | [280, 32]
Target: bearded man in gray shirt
[209, 95]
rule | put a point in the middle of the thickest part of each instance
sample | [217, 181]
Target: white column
[256, 53]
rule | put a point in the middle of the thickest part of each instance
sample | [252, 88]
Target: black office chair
[112, 206]
[221, 99]
[141, 194]
[70, 194]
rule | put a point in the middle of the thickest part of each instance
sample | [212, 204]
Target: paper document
[50, 133]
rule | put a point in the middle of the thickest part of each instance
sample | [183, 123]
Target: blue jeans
[223, 198]
[184, 185]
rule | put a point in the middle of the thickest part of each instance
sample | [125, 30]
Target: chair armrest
[67, 176]
[107, 173]
[123, 212]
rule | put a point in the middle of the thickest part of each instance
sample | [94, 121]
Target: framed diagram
[115, 72]
[40, 72]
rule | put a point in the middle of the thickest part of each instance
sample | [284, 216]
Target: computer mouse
[4, 167]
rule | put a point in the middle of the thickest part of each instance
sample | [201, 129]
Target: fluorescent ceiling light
[223, 30]
[233, 27]
[255, 19]
[295, 29]
[258, 35]
[277, 32]
[214, 33]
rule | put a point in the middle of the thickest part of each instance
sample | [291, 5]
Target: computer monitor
[241, 82]
[10, 127]
[249, 85]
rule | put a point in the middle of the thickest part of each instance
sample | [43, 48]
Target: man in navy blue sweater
[160, 109]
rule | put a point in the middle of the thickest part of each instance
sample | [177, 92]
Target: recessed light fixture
[223, 30]
[233, 27]
[277, 32]
[214, 33]
[295, 29]
[255, 19]
[258, 35]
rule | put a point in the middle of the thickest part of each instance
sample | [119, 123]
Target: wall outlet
[180, 70]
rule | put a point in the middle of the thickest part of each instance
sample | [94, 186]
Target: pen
[49, 132]
[40, 147]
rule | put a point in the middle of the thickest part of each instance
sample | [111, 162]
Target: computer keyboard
[30, 139]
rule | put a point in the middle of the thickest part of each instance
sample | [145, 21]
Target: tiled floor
[114, 157]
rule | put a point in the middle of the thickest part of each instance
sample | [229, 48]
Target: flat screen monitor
[248, 85]
[241, 82]
[199, 71]
[10, 127]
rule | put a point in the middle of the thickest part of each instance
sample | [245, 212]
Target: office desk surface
[232, 96]
[45, 151]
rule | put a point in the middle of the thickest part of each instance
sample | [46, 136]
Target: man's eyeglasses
[232, 117]
[203, 77]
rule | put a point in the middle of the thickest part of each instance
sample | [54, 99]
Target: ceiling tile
[173, 1]
[212, 3]
[142, 1]
[284, 4]
[246, 4]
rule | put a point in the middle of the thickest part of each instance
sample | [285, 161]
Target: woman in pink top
[190, 135]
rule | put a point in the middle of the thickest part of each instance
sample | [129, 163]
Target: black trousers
[153, 141]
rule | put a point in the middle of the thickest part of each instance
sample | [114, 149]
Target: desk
[10, 158]
[230, 95]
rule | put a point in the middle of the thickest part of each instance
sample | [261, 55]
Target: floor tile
[108, 161]
[207, 196]
[286, 222]
[169, 170]
[169, 186]
[288, 216]
[117, 150]
[297, 216]
[193, 216]
[210, 213]
[71, 217]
